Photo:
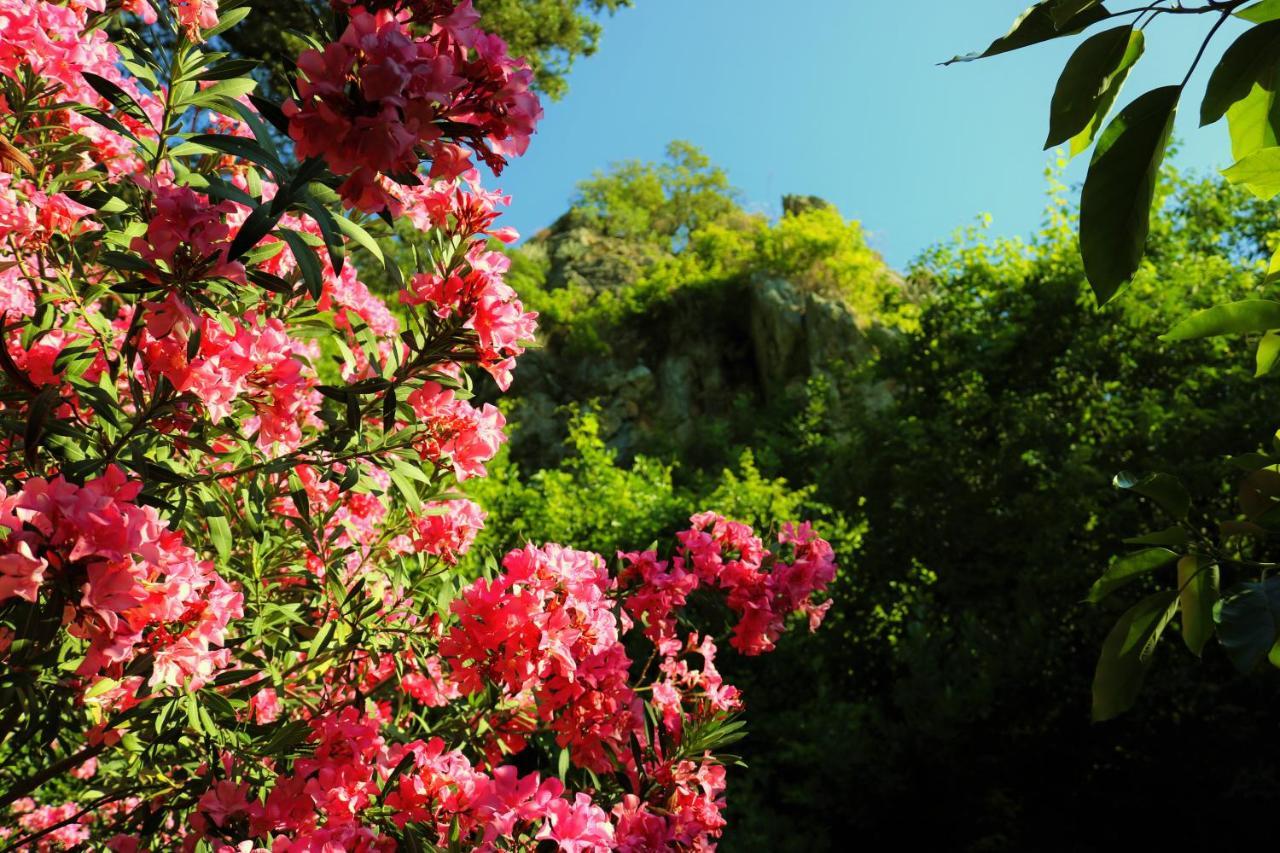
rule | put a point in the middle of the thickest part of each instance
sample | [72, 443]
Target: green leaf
[256, 226]
[226, 69]
[1128, 569]
[1268, 353]
[1062, 13]
[1038, 24]
[1197, 595]
[1126, 654]
[312, 273]
[1115, 206]
[219, 533]
[362, 237]
[1261, 13]
[1166, 490]
[328, 228]
[245, 149]
[1234, 318]
[117, 97]
[226, 21]
[1089, 85]
[1170, 537]
[1259, 172]
[1254, 122]
[1251, 59]
[1248, 622]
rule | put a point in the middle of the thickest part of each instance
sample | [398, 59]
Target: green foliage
[970, 513]
[663, 203]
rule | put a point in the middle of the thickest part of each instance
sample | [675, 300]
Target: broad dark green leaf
[1037, 24]
[1234, 318]
[1166, 490]
[1259, 173]
[1126, 654]
[1128, 569]
[1268, 353]
[1170, 537]
[1252, 59]
[1260, 13]
[1248, 621]
[1115, 206]
[1197, 595]
[1090, 83]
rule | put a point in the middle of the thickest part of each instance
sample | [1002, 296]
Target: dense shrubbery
[231, 615]
[976, 508]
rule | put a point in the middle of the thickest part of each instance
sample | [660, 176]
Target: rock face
[692, 359]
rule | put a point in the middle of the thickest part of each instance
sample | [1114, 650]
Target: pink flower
[578, 826]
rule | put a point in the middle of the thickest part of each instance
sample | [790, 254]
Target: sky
[843, 99]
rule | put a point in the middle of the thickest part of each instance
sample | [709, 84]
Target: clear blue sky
[838, 98]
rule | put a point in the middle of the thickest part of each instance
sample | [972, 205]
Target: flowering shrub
[231, 610]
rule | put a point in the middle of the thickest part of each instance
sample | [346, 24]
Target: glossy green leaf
[1089, 85]
[1250, 60]
[117, 97]
[1166, 490]
[226, 21]
[1170, 537]
[308, 263]
[362, 237]
[1197, 596]
[1037, 24]
[1268, 353]
[256, 226]
[1261, 13]
[1259, 173]
[1115, 206]
[1234, 318]
[1128, 569]
[1127, 652]
[1248, 620]
[245, 149]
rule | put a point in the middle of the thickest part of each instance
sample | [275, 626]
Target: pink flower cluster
[187, 237]
[128, 583]
[379, 100]
[255, 361]
[446, 529]
[761, 588]
[32, 818]
[455, 433]
[485, 304]
[195, 16]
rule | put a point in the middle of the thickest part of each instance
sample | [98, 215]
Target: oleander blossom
[129, 583]
[243, 595]
[380, 99]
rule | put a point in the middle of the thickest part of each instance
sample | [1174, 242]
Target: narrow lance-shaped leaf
[1089, 85]
[1197, 595]
[1234, 318]
[1037, 24]
[1126, 654]
[1115, 206]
